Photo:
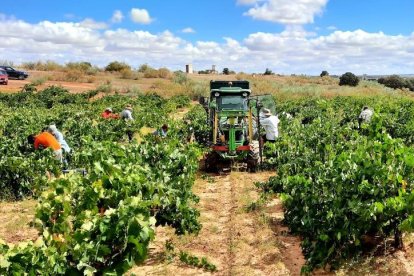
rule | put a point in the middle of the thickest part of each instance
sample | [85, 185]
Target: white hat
[108, 109]
[267, 112]
[52, 128]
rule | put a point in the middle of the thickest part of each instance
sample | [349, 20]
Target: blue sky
[289, 36]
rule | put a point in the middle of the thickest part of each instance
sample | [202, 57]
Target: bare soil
[236, 240]
[16, 218]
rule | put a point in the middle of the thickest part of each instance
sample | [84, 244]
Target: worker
[270, 123]
[52, 129]
[108, 114]
[365, 115]
[46, 140]
[126, 114]
[161, 132]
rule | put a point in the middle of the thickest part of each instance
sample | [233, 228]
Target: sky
[286, 36]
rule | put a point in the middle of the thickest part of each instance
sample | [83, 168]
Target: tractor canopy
[230, 96]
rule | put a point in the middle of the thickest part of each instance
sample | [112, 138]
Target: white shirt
[270, 124]
[366, 115]
[126, 114]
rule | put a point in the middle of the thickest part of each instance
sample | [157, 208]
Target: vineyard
[103, 220]
[343, 184]
[346, 188]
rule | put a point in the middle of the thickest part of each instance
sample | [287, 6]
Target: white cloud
[117, 17]
[247, 2]
[188, 30]
[332, 28]
[140, 16]
[286, 12]
[92, 24]
[291, 51]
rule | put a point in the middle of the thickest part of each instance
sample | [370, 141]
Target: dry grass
[16, 218]
[162, 82]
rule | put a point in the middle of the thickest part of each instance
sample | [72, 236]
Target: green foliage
[397, 82]
[100, 223]
[226, 71]
[116, 66]
[180, 77]
[339, 182]
[187, 258]
[196, 122]
[348, 79]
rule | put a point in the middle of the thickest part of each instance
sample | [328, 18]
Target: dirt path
[236, 240]
[16, 218]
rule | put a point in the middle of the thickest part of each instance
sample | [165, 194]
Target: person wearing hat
[126, 114]
[270, 123]
[108, 114]
[162, 132]
[52, 129]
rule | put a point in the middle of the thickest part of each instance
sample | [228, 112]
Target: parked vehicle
[13, 73]
[4, 78]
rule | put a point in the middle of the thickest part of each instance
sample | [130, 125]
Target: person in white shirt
[365, 115]
[52, 129]
[270, 123]
[126, 115]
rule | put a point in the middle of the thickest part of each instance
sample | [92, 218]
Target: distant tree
[226, 71]
[348, 79]
[410, 83]
[268, 72]
[203, 72]
[116, 66]
[394, 81]
[324, 73]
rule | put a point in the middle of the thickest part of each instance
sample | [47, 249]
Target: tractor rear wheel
[211, 162]
[253, 157]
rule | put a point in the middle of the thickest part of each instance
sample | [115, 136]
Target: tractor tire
[253, 157]
[211, 162]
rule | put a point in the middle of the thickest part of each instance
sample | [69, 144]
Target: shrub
[116, 66]
[324, 73]
[144, 68]
[180, 77]
[226, 71]
[164, 73]
[151, 73]
[348, 79]
[268, 72]
[84, 66]
[127, 73]
[395, 81]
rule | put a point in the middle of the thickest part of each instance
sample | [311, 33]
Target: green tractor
[234, 139]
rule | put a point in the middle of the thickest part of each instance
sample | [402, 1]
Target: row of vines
[341, 182]
[102, 221]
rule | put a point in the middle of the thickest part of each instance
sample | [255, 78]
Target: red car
[4, 78]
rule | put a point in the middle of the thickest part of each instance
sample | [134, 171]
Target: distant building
[189, 68]
[213, 69]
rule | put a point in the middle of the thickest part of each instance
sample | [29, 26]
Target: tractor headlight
[244, 94]
[217, 94]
